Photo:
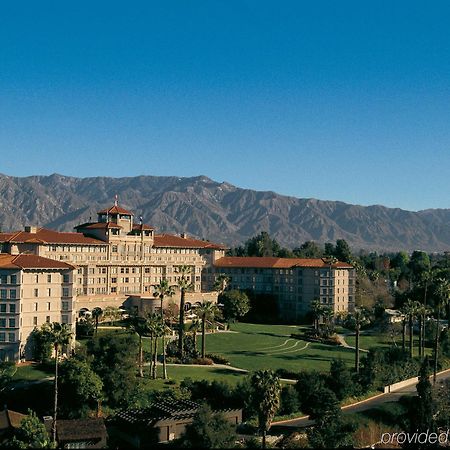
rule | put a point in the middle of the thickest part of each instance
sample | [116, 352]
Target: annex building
[50, 276]
[294, 282]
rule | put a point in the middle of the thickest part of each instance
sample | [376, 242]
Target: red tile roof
[143, 226]
[273, 262]
[45, 236]
[98, 225]
[25, 261]
[115, 210]
[169, 240]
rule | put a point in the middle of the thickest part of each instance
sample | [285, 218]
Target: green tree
[153, 325]
[442, 299]
[342, 251]
[114, 361]
[418, 264]
[60, 335]
[112, 314]
[265, 398]
[221, 283]
[236, 304]
[340, 379]
[96, 312]
[262, 245]
[184, 283]
[30, 434]
[308, 249]
[80, 389]
[209, 430]
[162, 290]
[138, 325]
[410, 310]
[207, 312]
[316, 311]
[194, 328]
[289, 402]
[7, 371]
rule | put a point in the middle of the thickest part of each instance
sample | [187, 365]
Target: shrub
[203, 361]
[289, 400]
[218, 359]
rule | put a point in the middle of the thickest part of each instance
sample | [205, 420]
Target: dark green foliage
[236, 304]
[85, 328]
[289, 402]
[80, 388]
[30, 434]
[309, 382]
[114, 360]
[340, 380]
[309, 249]
[263, 308]
[42, 345]
[209, 430]
[190, 351]
[342, 251]
[418, 264]
[331, 430]
[7, 370]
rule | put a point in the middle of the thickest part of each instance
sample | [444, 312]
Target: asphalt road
[364, 405]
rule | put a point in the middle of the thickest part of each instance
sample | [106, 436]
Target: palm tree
[59, 334]
[328, 316]
[184, 284]
[139, 326]
[158, 330]
[410, 309]
[221, 283]
[206, 311]
[316, 309]
[427, 277]
[163, 289]
[356, 320]
[265, 397]
[194, 328]
[422, 313]
[112, 313]
[443, 297]
[97, 312]
[152, 321]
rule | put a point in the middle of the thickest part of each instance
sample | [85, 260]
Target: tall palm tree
[163, 289]
[356, 320]
[158, 330]
[206, 311]
[139, 326]
[443, 297]
[97, 312]
[316, 310]
[221, 283]
[60, 335]
[153, 321]
[426, 279]
[422, 313]
[410, 309]
[265, 397]
[328, 317]
[194, 329]
[184, 283]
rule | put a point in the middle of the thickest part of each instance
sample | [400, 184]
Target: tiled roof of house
[143, 227]
[97, 225]
[10, 419]
[25, 261]
[46, 236]
[115, 210]
[169, 240]
[80, 429]
[274, 262]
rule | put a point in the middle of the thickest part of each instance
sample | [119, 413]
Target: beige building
[294, 282]
[111, 262]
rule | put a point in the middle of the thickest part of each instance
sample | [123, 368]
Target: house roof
[24, 261]
[143, 227]
[10, 419]
[115, 209]
[46, 236]
[80, 429]
[97, 225]
[169, 240]
[274, 262]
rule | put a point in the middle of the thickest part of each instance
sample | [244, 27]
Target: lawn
[33, 372]
[367, 341]
[256, 346]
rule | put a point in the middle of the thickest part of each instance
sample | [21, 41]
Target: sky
[335, 100]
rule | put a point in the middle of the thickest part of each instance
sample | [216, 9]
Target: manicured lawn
[255, 346]
[369, 341]
[33, 372]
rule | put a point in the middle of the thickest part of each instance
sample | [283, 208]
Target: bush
[218, 359]
[85, 328]
[190, 350]
[289, 400]
[203, 361]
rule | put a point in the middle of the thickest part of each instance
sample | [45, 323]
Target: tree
[30, 434]
[96, 312]
[410, 310]
[114, 361]
[221, 283]
[355, 321]
[342, 251]
[184, 283]
[443, 296]
[418, 264]
[316, 310]
[262, 245]
[153, 325]
[194, 329]
[80, 388]
[289, 402]
[209, 430]
[265, 398]
[340, 379]
[60, 335]
[206, 311]
[7, 371]
[162, 290]
[139, 326]
[308, 249]
[112, 314]
[236, 304]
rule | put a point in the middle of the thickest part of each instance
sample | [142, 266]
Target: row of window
[10, 323]
[12, 308]
[8, 279]
[77, 248]
[8, 294]
[50, 291]
[11, 337]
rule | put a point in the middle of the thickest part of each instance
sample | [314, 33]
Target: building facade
[111, 262]
[294, 282]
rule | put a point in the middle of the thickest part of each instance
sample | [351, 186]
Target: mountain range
[218, 212]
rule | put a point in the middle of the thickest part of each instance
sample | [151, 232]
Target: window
[3, 322]
[49, 306]
[11, 337]
[66, 278]
[35, 307]
[114, 280]
[35, 321]
[13, 279]
[3, 294]
[65, 306]
[49, 292]
[64, 318]
[12, 323]
[2, 337]
[49, 278]
[47, 319]
[12, 294]
[65, 292]
[3, 308]
[12, 308]
[36, 292]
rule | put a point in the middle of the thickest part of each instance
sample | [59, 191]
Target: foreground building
[294, 282]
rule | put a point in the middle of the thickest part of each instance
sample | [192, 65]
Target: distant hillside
[219, 212]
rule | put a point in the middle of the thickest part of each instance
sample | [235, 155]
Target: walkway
[343, 343]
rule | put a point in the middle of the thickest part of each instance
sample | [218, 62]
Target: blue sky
[337, 100]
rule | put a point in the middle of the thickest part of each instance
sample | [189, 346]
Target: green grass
[33, 372]
[367, 341]
[256, 346]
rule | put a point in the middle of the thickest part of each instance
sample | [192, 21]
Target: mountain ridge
[219, 211]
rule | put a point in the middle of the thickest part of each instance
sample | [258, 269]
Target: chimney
[30, 229]
[183, 235]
